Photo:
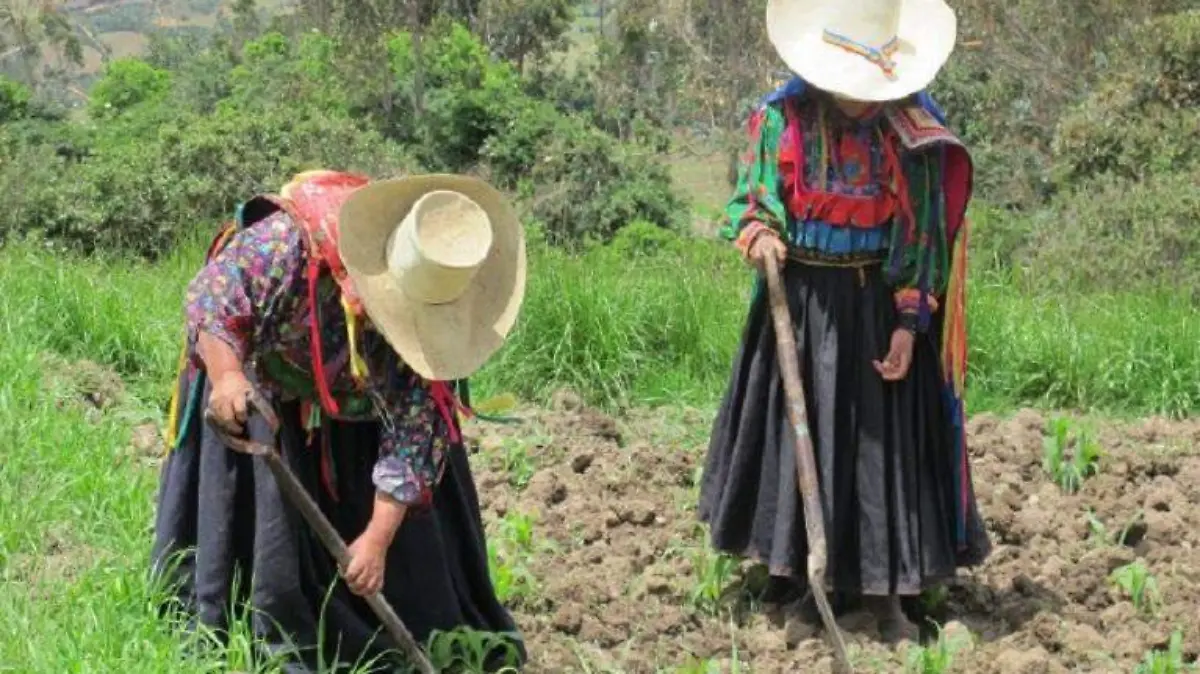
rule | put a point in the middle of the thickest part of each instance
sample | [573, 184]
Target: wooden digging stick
[299, 497]
[806, 467]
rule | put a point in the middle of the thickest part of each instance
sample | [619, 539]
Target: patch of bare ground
[623, 580]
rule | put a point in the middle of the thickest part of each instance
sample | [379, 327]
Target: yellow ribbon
[358, 366]
[172, 430]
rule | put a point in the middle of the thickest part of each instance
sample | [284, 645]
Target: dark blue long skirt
[226, 538]
[884, 451]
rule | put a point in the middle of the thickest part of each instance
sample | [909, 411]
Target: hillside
[114, 29]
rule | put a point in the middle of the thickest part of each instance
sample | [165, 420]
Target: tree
[518, 30]
[246, 24]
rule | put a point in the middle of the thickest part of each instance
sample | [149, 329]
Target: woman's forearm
[386, 518]
[220, 360]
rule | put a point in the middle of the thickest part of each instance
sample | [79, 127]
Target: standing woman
[854, 184]
[351, 304]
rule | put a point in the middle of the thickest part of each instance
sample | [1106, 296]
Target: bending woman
[351, 305]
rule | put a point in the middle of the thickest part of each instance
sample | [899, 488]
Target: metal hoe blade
[806, 467]
[299, 497]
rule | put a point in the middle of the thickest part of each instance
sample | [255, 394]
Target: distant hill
[114, 29]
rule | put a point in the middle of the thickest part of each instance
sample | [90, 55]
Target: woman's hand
[368, 558]
[368, 553]
[229, 401]
[895, 366]
[767, 244]
[231, 389]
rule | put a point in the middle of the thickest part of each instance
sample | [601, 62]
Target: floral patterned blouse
[253, 296]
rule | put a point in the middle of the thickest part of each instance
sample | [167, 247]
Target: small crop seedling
[507, 553]
[517, 463]
[935, 658]
[695, 665]
[1067, 468]
[518, 531]
[511, 578]
[467, 651]
[1100, 536]
[934, 599]
[713, 574]
[1139, 585]
[1169, 661]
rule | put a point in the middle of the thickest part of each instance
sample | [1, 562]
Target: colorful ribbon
[880, 56]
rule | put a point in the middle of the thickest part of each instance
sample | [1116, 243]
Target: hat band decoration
[880, 56]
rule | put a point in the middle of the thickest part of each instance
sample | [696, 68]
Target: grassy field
[90, 345]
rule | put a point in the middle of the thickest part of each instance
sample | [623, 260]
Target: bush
[990, 110]
[1114, 235]
[1023, 65]
[466, 96]
[1139, 122]
[144, 196]
[168, 150]
[14, 100]
[577, 180]
[586, 184]
[126, 84]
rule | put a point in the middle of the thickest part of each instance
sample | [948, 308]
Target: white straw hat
[864, 50]
[439, 264]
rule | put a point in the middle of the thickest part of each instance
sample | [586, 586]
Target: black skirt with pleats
[228, 543]
[885, 451]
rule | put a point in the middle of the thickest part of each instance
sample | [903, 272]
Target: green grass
[662, 328]
[75, 507]
[658, 326]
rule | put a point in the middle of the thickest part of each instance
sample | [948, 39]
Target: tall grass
[75, 503]
[655, 319]
[650, 319]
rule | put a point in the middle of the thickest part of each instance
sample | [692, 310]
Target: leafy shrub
[588, 184]
[991, 110]
[1114, 235]
[1023, 65]
[577, 180]
[126, 84]
[143, 196]
[276, 71]
[465, 96]
[14, 100]
[176, 145]
[1137, 123]
[645, 239]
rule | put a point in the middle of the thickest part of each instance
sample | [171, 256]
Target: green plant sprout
[1069, 469]
[713, 574]
[1136, 581]
[468, 651]
[516, 462]
[1169, 661]
[937, 657]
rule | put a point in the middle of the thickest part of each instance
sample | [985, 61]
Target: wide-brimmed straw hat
[438, 262]
[864, 50]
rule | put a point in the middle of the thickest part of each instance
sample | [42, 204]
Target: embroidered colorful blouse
[846, 189]
[252, 295]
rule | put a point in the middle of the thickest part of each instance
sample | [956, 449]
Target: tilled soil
[619, 566]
